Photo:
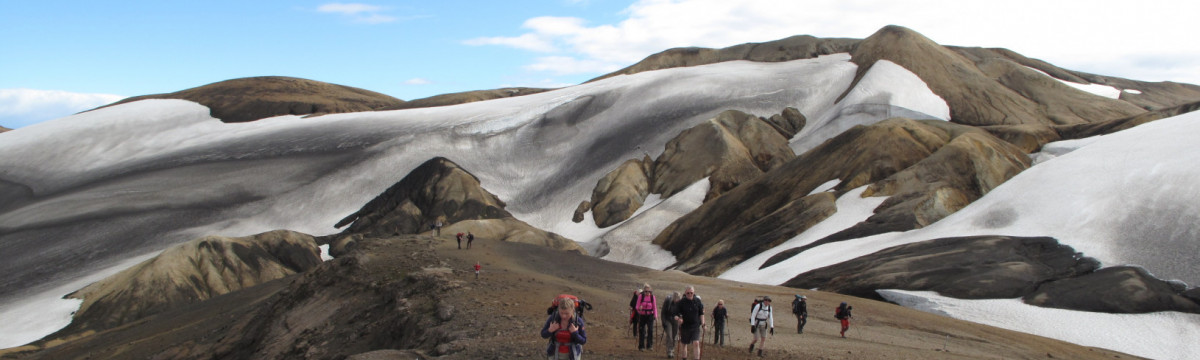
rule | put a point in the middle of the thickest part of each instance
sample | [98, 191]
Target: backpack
[645, 304]
[763, 309]
[796, 306]
[837, 314]
[580, 305]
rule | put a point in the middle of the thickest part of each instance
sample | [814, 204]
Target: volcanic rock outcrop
[1119, 289]
[439, 190]
[729, 149]
[190, 272]
[254, 98]
[963, 163]
[983, 267]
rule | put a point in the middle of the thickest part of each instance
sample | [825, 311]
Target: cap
[802, 297]
[766, 298]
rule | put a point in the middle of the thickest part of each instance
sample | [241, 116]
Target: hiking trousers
[671, 329]
[719, 329]
[645, 328]
[801, 320]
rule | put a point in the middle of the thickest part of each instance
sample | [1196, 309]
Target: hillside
[254, 98]
[415, 297]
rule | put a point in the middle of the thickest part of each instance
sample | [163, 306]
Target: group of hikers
[682, 317]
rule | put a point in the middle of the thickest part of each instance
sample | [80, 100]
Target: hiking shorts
[761, 331]
[687, 336]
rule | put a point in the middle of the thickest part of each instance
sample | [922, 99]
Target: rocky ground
[414, 297]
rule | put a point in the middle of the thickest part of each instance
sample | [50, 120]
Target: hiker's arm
[546, 332]
[579, 336]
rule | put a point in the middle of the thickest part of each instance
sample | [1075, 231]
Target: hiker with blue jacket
[565, 331]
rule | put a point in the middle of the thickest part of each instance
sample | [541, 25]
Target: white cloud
[1091, 36]
[22, 107]
[417, 81]
[359, 13]
[531, 42]
[348, 9]
[565, 65]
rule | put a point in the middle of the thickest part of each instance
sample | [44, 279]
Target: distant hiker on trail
[459, 237]
[470, 239]
[843, 313]
[720, 314]
[689, 313]
[800, 309]
[763, 318]
[647, 311]
[437, 228]
[670, 327]
[477, 267]
[565, 331]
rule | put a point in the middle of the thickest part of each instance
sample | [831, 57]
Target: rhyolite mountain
[779, 132]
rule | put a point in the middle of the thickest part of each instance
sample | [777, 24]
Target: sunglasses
[689, 293]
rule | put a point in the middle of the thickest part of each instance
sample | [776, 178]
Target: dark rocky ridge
[1119, 289]
[439, 190]
[1039, 270]
[981, 267]
[254, 98]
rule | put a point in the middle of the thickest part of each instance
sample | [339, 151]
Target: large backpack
[580, 305]
[837, 314]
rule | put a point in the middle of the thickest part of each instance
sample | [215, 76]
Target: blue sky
[60, 57]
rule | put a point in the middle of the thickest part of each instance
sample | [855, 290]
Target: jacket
[577, 339]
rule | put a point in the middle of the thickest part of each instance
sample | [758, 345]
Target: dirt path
[506, 307]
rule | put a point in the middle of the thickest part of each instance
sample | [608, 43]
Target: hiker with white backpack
[762, 319]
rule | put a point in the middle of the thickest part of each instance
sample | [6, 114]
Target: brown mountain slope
[791, 48]
[254, 98]
[413, 298]
[466, 97]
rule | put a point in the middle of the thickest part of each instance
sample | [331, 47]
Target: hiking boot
[751, 348]
[760, 353]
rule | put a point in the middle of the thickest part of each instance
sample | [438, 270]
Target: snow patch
[828, 185]
[1133, 91]
[1161, 335]
[852, 209]
[630, 241]
[1095, 89]
[325, 253]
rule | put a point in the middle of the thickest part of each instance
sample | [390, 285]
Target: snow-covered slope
[127, 180]
[1128, 198]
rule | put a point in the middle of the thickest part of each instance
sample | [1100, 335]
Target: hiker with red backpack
[762, 319]
[565, 329]
[647, 311]
[843, 313]
[459, 237]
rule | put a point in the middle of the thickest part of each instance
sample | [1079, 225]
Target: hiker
[565, 331]
[670, 327]
[633, 329]
[843, 313]
[477, 267]
[647, 311]
[763, 319]
[800, 309]
[720, 314]
[689, 313]
[470, 239]
[459, 237]
[437, 228]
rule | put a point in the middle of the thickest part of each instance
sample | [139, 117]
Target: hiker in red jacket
[477, 267]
